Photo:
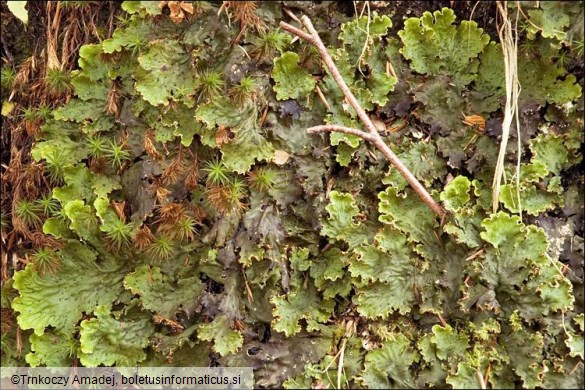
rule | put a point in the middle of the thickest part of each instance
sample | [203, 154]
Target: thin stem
[372, 135]
[298, 32]
[340, 363]
[480, 379]
[340, 129]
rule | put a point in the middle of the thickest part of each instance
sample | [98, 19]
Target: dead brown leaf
[177, 9]
[281, 157]
[222, 136]
[475, 120]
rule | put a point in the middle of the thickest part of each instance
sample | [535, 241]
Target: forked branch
[340, 129]
[372, 134]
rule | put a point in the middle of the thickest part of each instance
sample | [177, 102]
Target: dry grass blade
[53, 22]
[509, 41]
[367, 31]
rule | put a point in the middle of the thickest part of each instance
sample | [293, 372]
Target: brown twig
[340, 129]
[372, 134]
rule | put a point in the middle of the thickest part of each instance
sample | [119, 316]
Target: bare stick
[372, 134]
[341, 129]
